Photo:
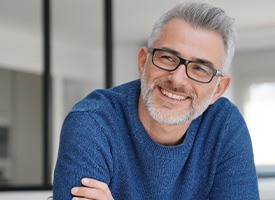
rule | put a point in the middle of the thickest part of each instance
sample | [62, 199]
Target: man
[170, 135]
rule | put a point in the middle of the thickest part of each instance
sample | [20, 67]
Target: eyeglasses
[198, 71]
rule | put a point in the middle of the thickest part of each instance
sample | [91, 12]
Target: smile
[172, 96]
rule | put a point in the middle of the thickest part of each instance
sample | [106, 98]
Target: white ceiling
[249, 14]
[81, 21]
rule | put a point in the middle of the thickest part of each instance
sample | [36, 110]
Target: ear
[222, 87]
[142, 57]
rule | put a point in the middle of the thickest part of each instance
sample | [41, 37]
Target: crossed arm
[92, 189]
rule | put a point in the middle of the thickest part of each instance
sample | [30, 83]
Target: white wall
[266, 187]
[28, 195]
[125, 62]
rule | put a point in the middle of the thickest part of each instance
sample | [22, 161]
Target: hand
[92, 189]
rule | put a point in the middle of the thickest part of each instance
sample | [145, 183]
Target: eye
[168, 58]
[200, 69]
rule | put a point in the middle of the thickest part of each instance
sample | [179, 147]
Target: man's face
[171, 97]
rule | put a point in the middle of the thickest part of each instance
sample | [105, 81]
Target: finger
[93, 183]
[79, 198]
[82, 193]
[89, 182]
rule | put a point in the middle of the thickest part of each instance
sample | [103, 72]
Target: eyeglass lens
[169, 62]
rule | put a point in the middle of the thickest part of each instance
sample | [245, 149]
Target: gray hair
[204, 16]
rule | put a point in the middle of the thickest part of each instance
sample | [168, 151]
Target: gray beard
[195, 110]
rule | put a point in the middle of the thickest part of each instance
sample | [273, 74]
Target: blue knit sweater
[103, 138]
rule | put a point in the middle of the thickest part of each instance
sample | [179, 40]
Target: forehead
[191, 42]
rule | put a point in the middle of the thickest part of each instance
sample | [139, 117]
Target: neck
[164, 134]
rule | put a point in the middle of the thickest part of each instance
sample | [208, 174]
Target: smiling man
[169, 135]
[168, 96]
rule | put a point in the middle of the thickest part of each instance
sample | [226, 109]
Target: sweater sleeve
[236, 174]
[84, 151]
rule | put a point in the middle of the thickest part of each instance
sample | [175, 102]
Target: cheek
[151, 73]
[203, 91]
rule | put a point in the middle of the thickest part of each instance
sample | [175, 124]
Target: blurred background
[38, 90]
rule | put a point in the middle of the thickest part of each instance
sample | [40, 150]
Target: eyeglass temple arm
[219, 73]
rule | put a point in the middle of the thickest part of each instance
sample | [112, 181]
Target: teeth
[172, 96]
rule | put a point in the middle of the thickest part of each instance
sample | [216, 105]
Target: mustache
[170, 86]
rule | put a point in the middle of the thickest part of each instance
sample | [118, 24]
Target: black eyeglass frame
[186, 62]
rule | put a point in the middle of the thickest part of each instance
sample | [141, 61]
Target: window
[259, 112]
[254, 94]
[76, 68]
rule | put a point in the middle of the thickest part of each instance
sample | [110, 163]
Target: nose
[179, 76]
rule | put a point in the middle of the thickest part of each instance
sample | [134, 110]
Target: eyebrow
[198, 60]
[204, 62]
[171, 51]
